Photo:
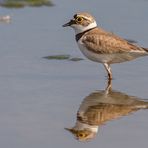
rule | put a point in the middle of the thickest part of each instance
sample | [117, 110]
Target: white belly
[101, 58]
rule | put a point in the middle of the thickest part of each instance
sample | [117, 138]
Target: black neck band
[79, 35]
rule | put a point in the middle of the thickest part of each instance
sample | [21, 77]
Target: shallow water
[40, 97]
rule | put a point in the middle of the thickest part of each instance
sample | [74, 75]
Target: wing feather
[108, 43]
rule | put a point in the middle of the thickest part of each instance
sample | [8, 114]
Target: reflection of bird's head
[82, 135]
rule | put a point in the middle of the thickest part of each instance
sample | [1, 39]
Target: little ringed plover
[101, 46]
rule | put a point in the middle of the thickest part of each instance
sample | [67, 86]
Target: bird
[100, 45]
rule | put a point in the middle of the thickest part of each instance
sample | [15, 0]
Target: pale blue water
[38, 97]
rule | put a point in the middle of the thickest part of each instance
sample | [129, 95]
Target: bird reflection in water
[102, 106]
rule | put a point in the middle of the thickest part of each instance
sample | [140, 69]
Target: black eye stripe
[75, 16]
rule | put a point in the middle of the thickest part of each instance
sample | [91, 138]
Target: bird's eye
[81, 135]
[79, 19]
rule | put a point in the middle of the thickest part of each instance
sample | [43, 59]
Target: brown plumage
[103, 42]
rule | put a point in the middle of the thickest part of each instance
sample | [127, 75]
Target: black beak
[69, 23]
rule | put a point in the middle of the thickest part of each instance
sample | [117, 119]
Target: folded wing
[109, 43]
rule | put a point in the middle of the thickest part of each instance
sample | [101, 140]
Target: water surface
[40, 97]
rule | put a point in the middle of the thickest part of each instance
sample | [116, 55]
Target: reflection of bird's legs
[109, 86]
[108, 69]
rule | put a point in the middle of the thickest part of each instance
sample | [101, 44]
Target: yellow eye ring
[81, 135]
[79, 19]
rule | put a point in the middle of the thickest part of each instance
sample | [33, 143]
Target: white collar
[79, 29]
[81, 126]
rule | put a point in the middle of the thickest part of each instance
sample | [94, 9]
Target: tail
[142, 105]
[145, 49]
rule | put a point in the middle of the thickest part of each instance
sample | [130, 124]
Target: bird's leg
[108, 69]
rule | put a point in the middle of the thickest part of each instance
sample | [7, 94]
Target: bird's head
[81, 22]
